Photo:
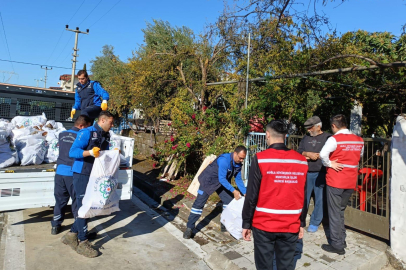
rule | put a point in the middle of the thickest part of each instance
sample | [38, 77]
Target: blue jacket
[89, 94]
[65, 141]
[219, 173]
[88, 138]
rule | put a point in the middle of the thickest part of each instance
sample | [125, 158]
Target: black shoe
[55, 230]
[188, 233]
[223, 228]
[92, 235]
[331, 249]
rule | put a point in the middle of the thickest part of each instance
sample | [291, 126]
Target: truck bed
[29, 168]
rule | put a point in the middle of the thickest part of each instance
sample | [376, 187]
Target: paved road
[134, 238]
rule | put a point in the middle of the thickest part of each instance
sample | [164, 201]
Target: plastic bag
[29, 121]
[6, 156]
[53, 151]
[31, 151]
[101, 197]
[232, 217]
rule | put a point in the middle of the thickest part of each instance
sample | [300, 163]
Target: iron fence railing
[371, 192]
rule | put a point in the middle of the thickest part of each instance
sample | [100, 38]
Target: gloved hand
[72, 113]
[104, 105]
[95, 152]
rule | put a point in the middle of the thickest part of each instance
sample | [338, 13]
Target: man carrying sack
[89, 142]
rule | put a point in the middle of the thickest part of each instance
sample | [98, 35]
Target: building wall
[66, 84]
[144, 142]
[398, 190]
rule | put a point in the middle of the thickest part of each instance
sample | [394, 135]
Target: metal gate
[368, 208]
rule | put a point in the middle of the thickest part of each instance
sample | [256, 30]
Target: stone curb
[213, 258]
[394, 261]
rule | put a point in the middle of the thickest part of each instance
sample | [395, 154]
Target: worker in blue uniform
[90, 97]
[217, 178]
[87, 146]
[63, 189]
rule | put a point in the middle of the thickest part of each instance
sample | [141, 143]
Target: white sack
[19, 133]
[31, 151]
[53, 151]
[6, 156]
[194, 186]
[50, 124]
[29, 121]
[101, 197]
[232, 217]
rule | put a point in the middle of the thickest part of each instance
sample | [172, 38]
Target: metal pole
[248, 69]
[75, 49]
[45, 78]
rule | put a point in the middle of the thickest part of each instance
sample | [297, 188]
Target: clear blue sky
[34, 27]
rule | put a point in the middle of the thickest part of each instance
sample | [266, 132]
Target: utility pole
[75, 49]
[248, 69]
[45, 78]
[40, 80]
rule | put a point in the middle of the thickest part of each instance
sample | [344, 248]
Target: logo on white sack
[106, 185]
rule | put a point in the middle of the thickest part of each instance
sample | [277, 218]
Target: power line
[90, 12]
[9, 55]
[105, 13]
[63, 49]
[59, 39]
[32, 64]
[76, 11]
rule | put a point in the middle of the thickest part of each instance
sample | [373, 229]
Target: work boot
[86, 249]
[188, 233]
[70, 239]
[223, 228]
[331, 249]
[55, 230]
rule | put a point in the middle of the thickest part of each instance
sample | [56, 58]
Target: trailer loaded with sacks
[30, 122]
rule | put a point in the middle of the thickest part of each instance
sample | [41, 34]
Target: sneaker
[188, 233]
[56, 230]
[312, 228]
[331, 249]
[223, 228]
[70, 239]
[86, 249]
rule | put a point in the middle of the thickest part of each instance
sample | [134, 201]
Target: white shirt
[331, 146]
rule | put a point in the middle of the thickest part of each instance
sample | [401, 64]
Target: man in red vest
[275, 203]
[341, 155]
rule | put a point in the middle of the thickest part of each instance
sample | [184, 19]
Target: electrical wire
[63, 48]
[59, 39]
[34, 64]
[90, 12]
[105, 13]
[8, 49]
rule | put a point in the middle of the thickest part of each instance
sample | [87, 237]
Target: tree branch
[184, 81]
[347, 56]
[281, 14]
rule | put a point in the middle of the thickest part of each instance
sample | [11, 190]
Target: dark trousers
[337, 199]
[80, 225]
[316, 182]
[92, 112]
[63, 190]
[268, 244]
[201, 199]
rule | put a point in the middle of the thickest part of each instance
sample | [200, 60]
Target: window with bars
[5, 106]
[29, 107]
[65, 111]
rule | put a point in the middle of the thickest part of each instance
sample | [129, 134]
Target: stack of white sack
[115, 142]
[35, 139]
[7, 157]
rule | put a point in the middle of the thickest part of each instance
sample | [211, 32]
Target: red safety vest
[281, 194]
[348, 153]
